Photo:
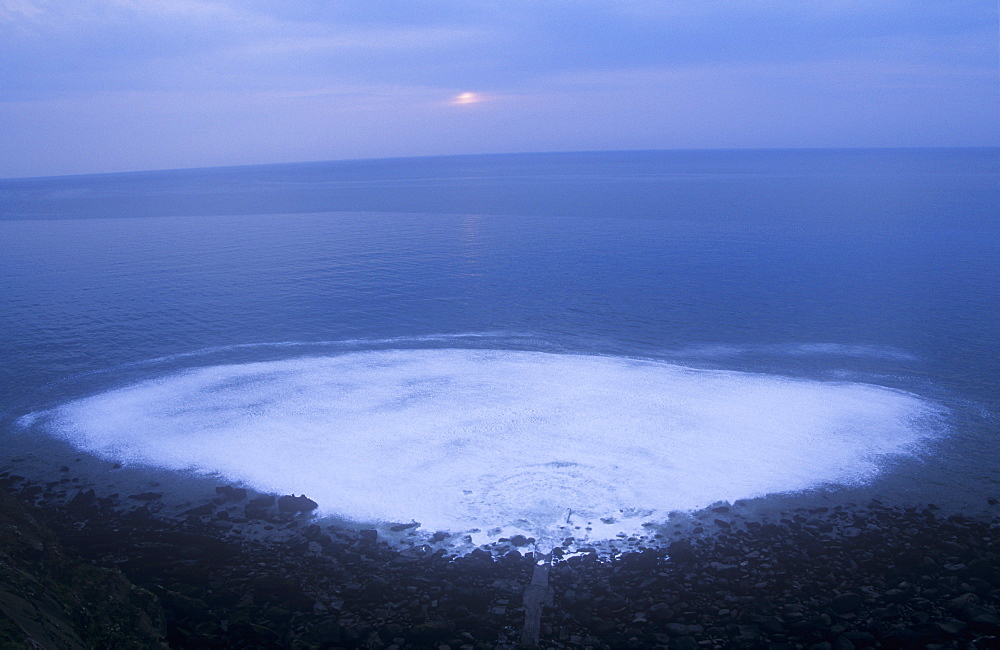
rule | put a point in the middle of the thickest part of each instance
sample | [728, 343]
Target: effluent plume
[506, 442]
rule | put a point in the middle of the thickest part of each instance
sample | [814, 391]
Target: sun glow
[465, 98]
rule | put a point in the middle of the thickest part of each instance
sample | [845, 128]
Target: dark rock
[139, 515]
[291, 504]
[146, 496]
[681, 629]
[660, 613]
[646, 560]
[985, 622]
[725, 569]
[603, 627]
[681, 552]
[846, 603]
[431, 632]
[259, 508]
[390, 631]
[843, 643]
[770, 530]
[202, 510]
[952, 627]
[477, 560]
[963, 602]
[895, 595]
[684, 643]
[859, 638]
[83, 505]
[769, 624]
[229, 493]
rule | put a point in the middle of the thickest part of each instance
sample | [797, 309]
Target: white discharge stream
[460, 439]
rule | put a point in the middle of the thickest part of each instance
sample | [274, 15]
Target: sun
[466, 98]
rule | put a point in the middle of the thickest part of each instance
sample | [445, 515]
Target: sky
[94, 86]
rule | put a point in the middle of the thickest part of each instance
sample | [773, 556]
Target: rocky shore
[254, 571]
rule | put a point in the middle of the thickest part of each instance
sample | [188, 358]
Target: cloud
[144, 43]
[560, 74]
[11, 10]
[385, 39]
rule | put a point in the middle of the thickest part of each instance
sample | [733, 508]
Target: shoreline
[840, 577]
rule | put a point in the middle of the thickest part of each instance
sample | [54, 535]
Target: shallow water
[501, 342]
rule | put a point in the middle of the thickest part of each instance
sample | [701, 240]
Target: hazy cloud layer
[101, 85]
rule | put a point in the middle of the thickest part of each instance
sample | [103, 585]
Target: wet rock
[681, 552]
[859, 638]
[83, 505]
[139, 515]
[646, 560]
[259, 508]
[843, 643]
[476, 561]
[431, 632]
[680, 629]
[146, 496]
[846, 603]
[895, 595]
[952, 627]
[728, 569]
[291, 504]
[684, 643]
[229, 493]
[201, 511]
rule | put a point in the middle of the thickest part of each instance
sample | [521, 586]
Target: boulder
[292, 504]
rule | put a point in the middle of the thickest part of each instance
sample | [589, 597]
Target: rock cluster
[839, 578]
[243, 571]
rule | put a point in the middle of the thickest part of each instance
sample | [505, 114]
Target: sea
[513, 344]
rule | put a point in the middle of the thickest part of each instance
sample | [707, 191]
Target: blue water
[830, 268]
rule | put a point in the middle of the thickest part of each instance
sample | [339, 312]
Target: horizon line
[493, 154]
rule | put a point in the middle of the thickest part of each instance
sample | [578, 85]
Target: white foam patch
[521, 441]
[722, 350]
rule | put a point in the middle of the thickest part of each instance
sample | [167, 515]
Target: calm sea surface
[860, 291]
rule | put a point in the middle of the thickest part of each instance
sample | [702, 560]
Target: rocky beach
[246, 570]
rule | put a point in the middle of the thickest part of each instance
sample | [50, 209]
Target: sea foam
[508, 441]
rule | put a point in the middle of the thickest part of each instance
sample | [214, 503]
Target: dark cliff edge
[50, 599]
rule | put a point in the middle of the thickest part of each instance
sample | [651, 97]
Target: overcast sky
[116, 85]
